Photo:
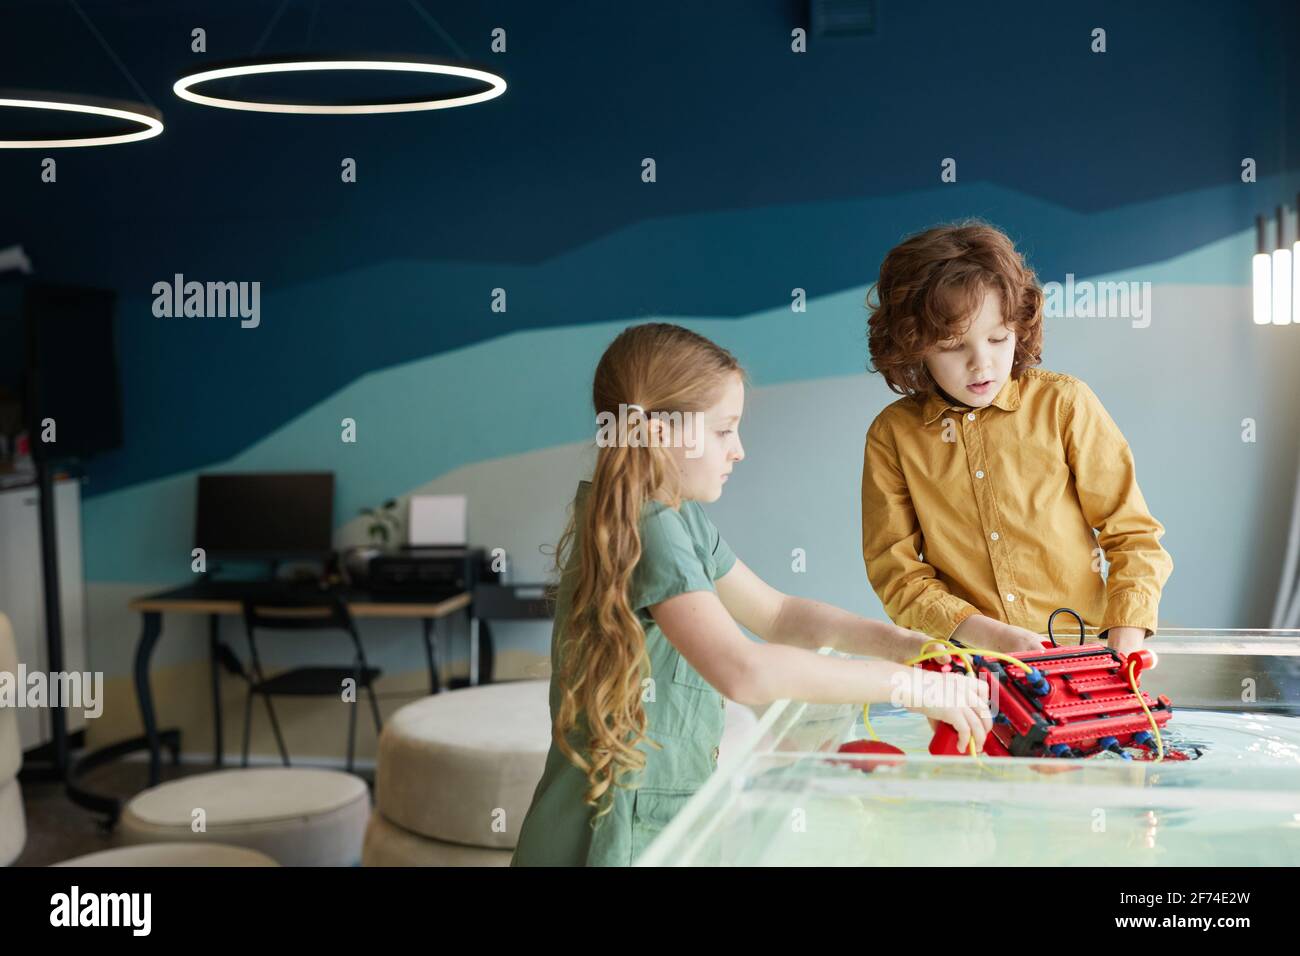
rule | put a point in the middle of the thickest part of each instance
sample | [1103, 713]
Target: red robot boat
[1068, 702]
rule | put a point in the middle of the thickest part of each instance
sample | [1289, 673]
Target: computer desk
[215, 598]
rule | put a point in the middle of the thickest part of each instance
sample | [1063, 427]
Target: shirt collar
[1007, 399]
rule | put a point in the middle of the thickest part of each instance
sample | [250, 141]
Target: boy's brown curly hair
[930, 287]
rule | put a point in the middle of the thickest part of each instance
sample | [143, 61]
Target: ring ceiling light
[495, 85]
[144, 121]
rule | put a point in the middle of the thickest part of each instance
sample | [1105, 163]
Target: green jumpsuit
[680, 551]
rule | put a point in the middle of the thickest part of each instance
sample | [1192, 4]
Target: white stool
[452, 765]
[13, 820]
[298, 816]
[173, 854]
[389, 845]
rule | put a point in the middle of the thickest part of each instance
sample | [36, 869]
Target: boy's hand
[1126, 640]
[980, 631]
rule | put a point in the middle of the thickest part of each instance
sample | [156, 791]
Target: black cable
[437, 27]
[1051, 637]
[117, 61]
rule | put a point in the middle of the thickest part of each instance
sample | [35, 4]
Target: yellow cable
[960, 652]
[949, 649]
[965, 653]
[1132, 681]
[935, 642]
[867, 721]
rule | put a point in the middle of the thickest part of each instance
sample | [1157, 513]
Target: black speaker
[72, 370]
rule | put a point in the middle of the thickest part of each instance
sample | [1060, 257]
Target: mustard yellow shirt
[992, 511]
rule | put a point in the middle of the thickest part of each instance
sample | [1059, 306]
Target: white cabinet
[22, 593]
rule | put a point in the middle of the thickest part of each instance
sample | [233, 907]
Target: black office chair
[314, 611]
[500, 602]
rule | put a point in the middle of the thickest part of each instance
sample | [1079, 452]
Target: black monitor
[265, 515]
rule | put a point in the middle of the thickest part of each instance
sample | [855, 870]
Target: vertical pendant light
[1261, 273]
[1295, 267]
[1281, 306]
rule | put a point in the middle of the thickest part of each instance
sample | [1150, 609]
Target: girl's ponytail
[656, 367]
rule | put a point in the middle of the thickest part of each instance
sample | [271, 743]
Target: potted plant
[383, 531]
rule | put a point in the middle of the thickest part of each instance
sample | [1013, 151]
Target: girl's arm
[801, 622]
[753, 673]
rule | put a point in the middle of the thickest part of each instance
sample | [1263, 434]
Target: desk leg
[428, 625]
[473, 648]
[144, 695]
[152, 740]
[214, 653]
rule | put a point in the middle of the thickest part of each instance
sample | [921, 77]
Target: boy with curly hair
[993, 490]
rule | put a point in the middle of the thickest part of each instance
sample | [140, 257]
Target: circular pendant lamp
[138, 120]
[494, 85]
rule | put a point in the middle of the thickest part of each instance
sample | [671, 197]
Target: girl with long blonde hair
[646, 645]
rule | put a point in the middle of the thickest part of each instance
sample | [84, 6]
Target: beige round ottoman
[13, 822]
[456, 773]
[298, 816]
[389, 845]
[461, 766]
[173, 854]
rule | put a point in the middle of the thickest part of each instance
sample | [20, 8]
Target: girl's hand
[903, 645]
[980, 631]
[964, 703]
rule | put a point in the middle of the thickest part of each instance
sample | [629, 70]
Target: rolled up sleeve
[909, 588]
[1106, 481]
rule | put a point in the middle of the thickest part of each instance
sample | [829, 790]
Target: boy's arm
[1106, 481]
[909, 588]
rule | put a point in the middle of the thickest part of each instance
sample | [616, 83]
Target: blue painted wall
[775, 171]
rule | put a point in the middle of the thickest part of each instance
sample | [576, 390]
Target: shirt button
[1011, 597]
[715, 754]
[979, 474]
[722, 702]
[994, 536]
[970, 416]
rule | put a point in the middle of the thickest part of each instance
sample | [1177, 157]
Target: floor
[58, 829]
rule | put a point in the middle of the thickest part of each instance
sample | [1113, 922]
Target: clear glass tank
[788, 798]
